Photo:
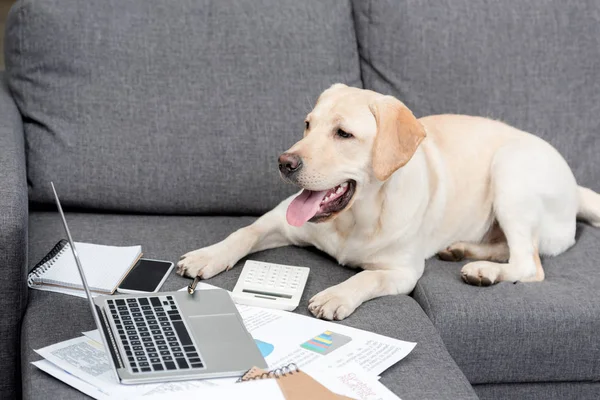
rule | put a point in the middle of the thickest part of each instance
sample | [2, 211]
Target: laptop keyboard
[153, 335]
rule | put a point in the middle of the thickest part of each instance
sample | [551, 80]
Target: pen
[192, 287]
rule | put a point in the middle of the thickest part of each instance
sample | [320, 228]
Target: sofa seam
[23, 290]
[428, 311]
[354, 16]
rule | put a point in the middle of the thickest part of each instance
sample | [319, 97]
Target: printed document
[352, 381]
[284, 337]
[281, 336]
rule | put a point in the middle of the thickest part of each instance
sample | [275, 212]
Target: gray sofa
[160, 122]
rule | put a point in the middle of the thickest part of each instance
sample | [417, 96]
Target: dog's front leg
[339, 301]
[267, 232]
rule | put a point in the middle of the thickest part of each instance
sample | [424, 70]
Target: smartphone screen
[146, 275]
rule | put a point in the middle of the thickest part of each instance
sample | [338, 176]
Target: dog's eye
[306, 125]
[344, 134]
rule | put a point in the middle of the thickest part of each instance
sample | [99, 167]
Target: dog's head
[352, 137]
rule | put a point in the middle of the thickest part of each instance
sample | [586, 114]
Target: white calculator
[270, 285]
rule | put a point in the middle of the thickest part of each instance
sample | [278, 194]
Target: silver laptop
[170, 336]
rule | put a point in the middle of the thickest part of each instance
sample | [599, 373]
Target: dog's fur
[460, 186]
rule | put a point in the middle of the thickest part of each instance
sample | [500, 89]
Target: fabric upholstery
[427, 373]
[155, 106]
[533, 64]
[171, 107]
[524, 332]
[13, 239]
[536, 391]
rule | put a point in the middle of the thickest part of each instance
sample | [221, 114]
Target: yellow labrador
[384, 191]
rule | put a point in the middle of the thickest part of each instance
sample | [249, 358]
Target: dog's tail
[589, 206]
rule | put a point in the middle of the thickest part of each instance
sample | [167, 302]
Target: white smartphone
[147, 276]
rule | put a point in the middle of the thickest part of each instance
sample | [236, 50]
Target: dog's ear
[398, 136]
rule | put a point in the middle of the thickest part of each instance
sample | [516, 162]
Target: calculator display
[283, 296]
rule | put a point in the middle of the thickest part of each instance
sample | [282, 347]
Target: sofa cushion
[171, 106]
[13, 240]
[534, 64]
[536, 391]
[428, 372]
[523, 332]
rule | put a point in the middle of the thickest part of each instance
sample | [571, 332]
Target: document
[94, 335]
[86, 361]
[349, 381]
[265, 389]
[352, 381]
[284, 337]
[255, 390]
[71, 380]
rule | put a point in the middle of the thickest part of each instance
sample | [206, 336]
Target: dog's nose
[289, 163]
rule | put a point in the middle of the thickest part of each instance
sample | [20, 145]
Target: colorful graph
[326, 342]
[264, 347]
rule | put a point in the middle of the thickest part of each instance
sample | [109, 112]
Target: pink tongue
[304, 207]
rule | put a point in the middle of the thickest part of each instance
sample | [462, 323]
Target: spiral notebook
[294, 384]
[105, 268]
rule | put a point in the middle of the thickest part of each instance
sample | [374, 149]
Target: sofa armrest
[13, 240]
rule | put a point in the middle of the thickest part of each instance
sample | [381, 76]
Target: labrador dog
[384, 191]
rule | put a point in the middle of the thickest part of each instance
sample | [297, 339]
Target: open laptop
[170, 336]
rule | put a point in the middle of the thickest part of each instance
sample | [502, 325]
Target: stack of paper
[346, 360]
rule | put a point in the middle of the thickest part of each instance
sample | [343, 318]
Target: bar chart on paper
[326, 342]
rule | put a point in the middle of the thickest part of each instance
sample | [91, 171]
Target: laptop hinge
[112, 345]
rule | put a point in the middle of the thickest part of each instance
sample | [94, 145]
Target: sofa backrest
[533, 64]
[182, 107]
[171, 106]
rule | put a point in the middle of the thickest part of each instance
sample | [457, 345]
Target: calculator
[270, 285]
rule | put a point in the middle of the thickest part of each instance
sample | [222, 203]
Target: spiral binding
[47, 262]
[277, 373]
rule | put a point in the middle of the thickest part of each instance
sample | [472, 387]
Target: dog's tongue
[304, 207]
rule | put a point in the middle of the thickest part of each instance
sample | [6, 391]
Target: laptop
[170, 336]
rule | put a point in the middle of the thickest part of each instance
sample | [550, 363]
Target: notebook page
[104, 266]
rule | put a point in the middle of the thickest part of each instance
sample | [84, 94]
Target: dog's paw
[333, 303]
[481, 273]
[206, 262]
[456, 252]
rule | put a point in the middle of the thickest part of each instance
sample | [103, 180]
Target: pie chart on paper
[265, 348]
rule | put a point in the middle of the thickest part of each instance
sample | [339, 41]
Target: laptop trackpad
[223, 341]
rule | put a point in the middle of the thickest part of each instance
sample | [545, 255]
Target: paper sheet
[94, 335]
[282, 337]
[266, 389]
[71, 380]
[85, 359]
[285, 337]
[352, 381]
[65, 291]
